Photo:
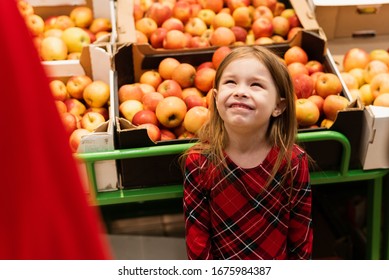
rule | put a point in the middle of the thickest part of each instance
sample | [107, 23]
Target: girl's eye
[229, 82]
[256, 85]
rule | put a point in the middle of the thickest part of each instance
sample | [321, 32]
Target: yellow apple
[129, 108]
[75, 39]
[35, 24]
[96, 94]
[195, 118]
[82, 16]
[53, 48]
[380, 54]
[91, 120]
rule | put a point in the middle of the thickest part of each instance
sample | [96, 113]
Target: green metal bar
[374, 209]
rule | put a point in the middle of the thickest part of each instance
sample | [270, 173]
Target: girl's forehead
[244, 65]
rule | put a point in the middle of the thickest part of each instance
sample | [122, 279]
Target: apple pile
[177, 24]
[62, 37]
[82, 104]
[366, 75]
[317, 93]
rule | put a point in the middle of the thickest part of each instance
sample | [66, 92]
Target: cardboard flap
[129, 136]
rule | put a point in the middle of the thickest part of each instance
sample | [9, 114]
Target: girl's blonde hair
[282, 129]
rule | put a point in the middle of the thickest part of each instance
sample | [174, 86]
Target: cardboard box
[131, 60]
[126, 24]
[363, 24]
[101, 8]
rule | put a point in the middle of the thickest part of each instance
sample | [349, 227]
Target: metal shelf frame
[374, 179]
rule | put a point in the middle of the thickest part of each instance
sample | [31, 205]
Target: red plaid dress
[229, 215]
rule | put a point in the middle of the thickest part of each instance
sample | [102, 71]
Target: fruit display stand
[344, 174]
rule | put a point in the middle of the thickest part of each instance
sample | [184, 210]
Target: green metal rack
[374, 179]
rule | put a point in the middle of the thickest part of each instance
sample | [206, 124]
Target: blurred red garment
[44, 213]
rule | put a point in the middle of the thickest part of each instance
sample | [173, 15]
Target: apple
[198, 42]
[53, 48]
[349, 80]
[204, 65]
[380, 54]
[75, 85]
[50, 23]
[151, 77]
[332, 104]
[358, 73]
[102, 110]
[58, 90]
[54, 32]
[240, 33]
[281, 26]
[291, 16]
[206, 15]
[382, 100]
[262, 11]
[293, 32]
[234, 4]
[96, 94]
[171, 111]
[191, 91]
[129, 108]
[153, 131]
[379, 84]
[222, 36]
[271, 4]
[75, 39]
[373, 68]
[146, 26]
[157, 37]
[159, 12]
[100, 25]
[296, 68]
[150, 100]
[314, 66]
[242, 17]
[184, 74]
[35, 24]
[63, 22]
[174, 39]
[186, 135]
[279, 8]
[264, 41]
[74, 56]
[82, 16]
[61, 107]
[195, 26]
[75, 106]
[204, 79]
[262, 27]
[318, 100]
[170, 87]
[307, 113]
[173, 24]
[194, 100]
[166, 67]
[24, 8]
[328, 84]
[223, 20]
[366, 95]
[295, 54]
[145, 116]
[182, 11]
[146, 87]
[91, 120]
[214, 5]
[69, 121]
[219, 54]
[303, 85]
[326, 123]
[195, 117]
[75, 138]
[141, 38]
[355, 58]
[166, 135]
[138, 12]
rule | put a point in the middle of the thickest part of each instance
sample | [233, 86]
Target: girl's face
[247, 97]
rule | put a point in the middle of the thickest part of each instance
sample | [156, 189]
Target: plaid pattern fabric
[229, 215]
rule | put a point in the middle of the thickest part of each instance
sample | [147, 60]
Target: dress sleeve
[300, 234]
[196, 210]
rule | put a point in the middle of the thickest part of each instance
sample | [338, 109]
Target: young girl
[247, 192]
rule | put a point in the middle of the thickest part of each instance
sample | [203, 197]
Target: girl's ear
[214, 92]
[280, 108]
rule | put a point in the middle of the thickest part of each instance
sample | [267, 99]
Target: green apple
[75, 38]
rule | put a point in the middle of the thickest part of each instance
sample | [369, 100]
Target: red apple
[222, 36]
[194, 100]
[240, 33]
[171, 111]
[295, 54]
[58, 90]
[75, 106]
[303, 85]
[219, 54]
[204, 65]
[69, 121]
[332, 104]
[191, 91]
[198, 42]
[130, 91]
[170, 88]
[100, 25]
[281, 26]
[150, 100]
[355, 58]
[157, 37]
[35, 24]
[328, 84]
[314, 66]
[75, 85]
[153, 131]
[173, 24]
[166, 134]
[159, 12]
[262, 27]
[318, 100]
[145, 116]
[175, 39]
[296, 68]
[182, 11]
[214, 5]
[63, 22]
[75, 138]
[204, 79]
[262, 11]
